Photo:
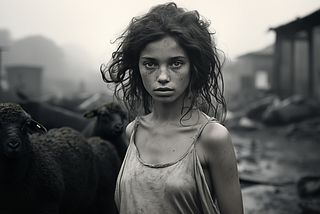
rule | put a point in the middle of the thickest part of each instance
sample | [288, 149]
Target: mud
[270, 164]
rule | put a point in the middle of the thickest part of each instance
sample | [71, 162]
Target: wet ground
[270, 164]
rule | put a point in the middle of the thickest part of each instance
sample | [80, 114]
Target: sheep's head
[110, 119]
[15, 124]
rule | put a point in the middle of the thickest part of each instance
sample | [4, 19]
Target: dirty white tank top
[177, 187]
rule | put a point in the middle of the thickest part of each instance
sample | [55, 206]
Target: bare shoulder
[129, 129]
[214, 140]
[215, 135]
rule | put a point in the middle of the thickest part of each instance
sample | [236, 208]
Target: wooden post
[276, 74]
[292, 64]
[311, 61]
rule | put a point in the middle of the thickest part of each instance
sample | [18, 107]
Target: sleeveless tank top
[177, 187]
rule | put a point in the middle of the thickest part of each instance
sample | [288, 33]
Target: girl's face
[165, 70]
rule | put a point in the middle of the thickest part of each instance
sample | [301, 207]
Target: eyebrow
[171, 58]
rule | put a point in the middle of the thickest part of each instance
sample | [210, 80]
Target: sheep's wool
[177, 187]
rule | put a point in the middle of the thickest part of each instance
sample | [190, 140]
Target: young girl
[179, 160]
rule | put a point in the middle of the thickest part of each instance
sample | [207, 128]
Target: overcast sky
[241, 25]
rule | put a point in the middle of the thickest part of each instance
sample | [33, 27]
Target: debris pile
[299, 114]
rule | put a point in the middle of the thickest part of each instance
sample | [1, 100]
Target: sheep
[58, 171]
[108, 166]
[108, 124]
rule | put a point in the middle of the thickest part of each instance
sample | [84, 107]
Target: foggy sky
[241, 26]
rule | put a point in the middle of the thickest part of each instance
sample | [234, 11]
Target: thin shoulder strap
[209, 119]
[137, 122]
[135, 126]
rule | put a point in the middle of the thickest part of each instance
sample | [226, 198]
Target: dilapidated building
[248, 78]
[297, 58]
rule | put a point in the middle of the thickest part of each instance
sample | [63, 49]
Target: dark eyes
[149, 64]
[174, 64]
[177, 63]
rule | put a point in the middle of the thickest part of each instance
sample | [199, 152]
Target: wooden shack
[297, 58]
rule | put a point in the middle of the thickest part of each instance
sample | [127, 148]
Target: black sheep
[56, 172]
[108, 165]
[108, 124]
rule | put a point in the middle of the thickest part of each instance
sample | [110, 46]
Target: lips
[163, 89]
[163, 92]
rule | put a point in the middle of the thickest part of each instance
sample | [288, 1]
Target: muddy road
[270, 164]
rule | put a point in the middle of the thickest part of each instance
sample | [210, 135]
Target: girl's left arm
[220, 158]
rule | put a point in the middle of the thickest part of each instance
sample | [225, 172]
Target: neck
[170, 114]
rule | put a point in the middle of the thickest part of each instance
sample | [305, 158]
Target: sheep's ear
[34, 126]
[89, 114]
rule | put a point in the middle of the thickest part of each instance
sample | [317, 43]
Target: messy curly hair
[190, 31]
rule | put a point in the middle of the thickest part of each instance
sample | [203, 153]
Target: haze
[84, 29]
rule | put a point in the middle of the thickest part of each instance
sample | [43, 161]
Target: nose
[118, 128]
[164, 76]
[14, 144]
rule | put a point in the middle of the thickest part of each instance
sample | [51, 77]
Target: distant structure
[250, 75]
[254, 69]
[26, 79]
[296, 60]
